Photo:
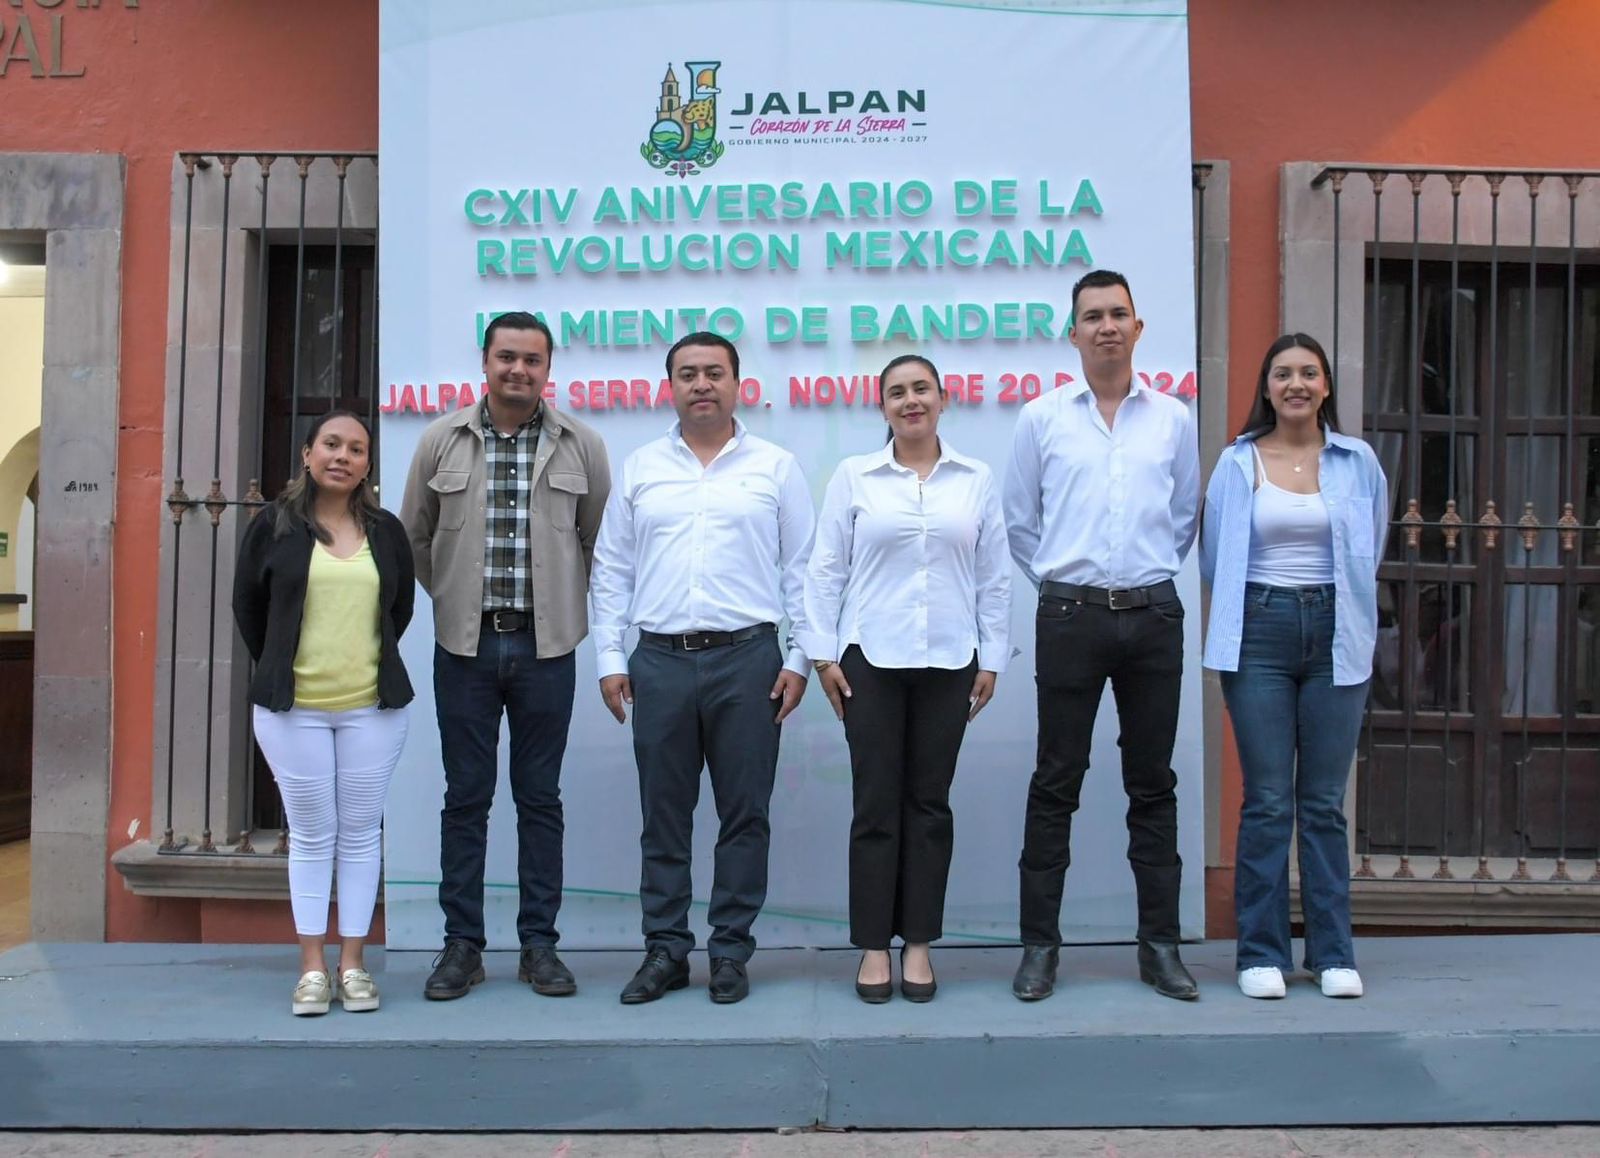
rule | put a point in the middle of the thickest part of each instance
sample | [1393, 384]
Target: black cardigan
[269, 598]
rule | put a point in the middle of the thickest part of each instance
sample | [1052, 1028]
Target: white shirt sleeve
[829, 570]
[1023, 504]
[992, 568]
[796, 525]
[611, 583]
[1186, 486]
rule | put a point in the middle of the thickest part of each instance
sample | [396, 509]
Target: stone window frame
[75, 202]
[1212, 233]
[216, 348]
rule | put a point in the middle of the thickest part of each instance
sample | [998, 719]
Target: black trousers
[904, 727]
[1078, 647]
[694, 710]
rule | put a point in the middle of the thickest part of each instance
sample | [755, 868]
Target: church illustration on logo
[683, 139]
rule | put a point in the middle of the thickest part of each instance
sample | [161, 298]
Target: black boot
[1158, 887]
[1159, 966]
[1036, 975]
[455, 970]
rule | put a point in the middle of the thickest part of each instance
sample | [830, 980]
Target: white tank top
[1291, 536]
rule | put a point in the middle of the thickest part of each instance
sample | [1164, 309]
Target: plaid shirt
[508, 473]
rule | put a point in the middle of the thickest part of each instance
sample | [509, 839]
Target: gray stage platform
[1490, 1029]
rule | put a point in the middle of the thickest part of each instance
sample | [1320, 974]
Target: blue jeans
[470, 692]
[1297, 734]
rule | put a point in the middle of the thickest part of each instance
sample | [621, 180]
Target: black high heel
[873, 994]
[917, 991]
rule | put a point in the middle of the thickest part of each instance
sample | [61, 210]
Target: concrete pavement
[1440, 1142]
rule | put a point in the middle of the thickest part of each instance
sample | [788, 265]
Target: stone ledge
[199, 1037]
[1461, 902]
[148, 872]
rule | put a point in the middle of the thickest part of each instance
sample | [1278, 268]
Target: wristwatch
[822, 664]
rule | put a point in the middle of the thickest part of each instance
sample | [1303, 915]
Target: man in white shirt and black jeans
[703, 548]
[1101, 501]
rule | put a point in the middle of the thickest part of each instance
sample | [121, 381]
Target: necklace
[1297, 466]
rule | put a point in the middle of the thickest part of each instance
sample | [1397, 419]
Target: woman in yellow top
[323, 589]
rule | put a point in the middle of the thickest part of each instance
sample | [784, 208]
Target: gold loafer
[358, 991]
[311, 994]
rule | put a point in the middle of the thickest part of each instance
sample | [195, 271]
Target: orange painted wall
[160, 78]
[1446, 82]
[1476, 82]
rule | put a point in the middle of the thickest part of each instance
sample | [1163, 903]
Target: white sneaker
[1340, 983]
[1264, 981]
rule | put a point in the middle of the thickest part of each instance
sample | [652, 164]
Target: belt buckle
[496, 621]
[1116, 595]
[686, 637]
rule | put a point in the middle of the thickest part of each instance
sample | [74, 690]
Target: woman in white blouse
[908, 604]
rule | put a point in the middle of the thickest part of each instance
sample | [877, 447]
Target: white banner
[829, 183]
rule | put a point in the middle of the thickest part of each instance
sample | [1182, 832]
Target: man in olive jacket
[502, 506]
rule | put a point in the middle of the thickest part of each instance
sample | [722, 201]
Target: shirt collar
[1080, 386]
[883, 458]
[675, 435]
[486, 421]
[1331, 440]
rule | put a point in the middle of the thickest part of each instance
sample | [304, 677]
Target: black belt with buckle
[508, 620]
[701, 640]
[1116, 598]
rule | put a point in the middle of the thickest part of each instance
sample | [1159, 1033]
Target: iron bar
[341, 165]
[1373, 375]
[264, 162]
[303, 161]
[1413, 460]
[1377, 179]
[1491, 421]
[1530, 373]
[177, 498]
[227, 160]
[1443, 873]
[1338, 188]
[1566, 640]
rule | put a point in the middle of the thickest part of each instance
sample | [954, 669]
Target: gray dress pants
[694, 710]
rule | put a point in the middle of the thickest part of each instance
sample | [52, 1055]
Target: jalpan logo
[683, 139]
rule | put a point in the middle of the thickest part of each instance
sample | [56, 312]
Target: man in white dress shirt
[703, 548]
[1101, 501]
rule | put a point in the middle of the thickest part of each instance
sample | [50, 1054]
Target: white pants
[333, 771]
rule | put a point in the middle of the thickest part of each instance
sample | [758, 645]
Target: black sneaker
[457, 968]
[540, 966]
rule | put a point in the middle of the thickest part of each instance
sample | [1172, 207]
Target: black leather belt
[701, 640]
[1116, 598]
[508, 620]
